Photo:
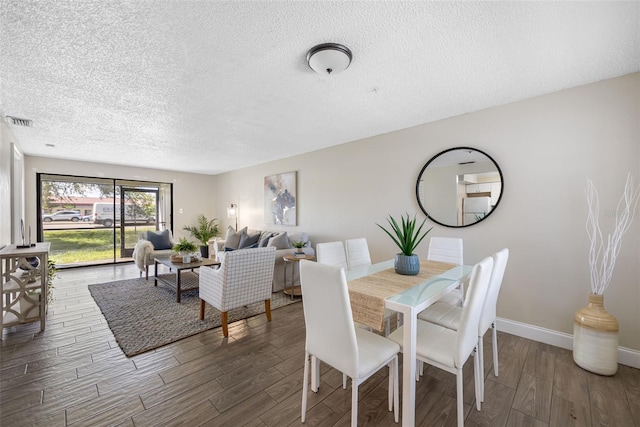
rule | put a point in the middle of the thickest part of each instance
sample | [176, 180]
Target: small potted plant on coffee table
[185, 248]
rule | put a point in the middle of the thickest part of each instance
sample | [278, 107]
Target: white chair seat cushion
[373, 350]
[442, 314]
[433, 342]
[454, 297]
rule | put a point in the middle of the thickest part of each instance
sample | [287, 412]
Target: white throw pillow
[233, 237]
[280, 241]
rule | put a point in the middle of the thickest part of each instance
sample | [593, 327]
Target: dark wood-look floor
[74, 374]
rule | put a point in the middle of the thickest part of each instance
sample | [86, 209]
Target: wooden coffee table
[181, 280]
[293, 260]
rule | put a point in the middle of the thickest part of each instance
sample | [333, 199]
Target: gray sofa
[282, 240]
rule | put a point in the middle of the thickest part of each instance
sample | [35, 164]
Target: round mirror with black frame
[459, 187]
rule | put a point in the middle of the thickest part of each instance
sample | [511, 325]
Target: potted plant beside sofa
[299, 244]
[203, 232]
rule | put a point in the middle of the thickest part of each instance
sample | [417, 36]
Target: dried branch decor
[603, 254]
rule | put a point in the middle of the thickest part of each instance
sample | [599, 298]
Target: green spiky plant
[405, 234]
[205, 229]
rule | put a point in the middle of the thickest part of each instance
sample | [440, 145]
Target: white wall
[192, 193]
[6, 153]
[546, 147]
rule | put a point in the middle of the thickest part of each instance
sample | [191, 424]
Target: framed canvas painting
[280, 199]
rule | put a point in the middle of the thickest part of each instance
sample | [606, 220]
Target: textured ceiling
[209, 87]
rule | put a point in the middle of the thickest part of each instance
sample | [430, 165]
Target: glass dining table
[376, 287]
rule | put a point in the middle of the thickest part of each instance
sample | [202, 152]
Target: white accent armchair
[145, 251]
[245, 276]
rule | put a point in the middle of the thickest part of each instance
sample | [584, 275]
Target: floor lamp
[232, 212]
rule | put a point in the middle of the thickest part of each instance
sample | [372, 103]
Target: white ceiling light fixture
[329, 58]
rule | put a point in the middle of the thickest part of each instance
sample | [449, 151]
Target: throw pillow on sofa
[264, 238]
[249, 240]
[280, 241]
[232, 240]
[159, 240]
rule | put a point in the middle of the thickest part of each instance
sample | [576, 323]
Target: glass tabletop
[420, 293]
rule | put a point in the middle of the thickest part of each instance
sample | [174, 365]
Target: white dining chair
[448, 249]
[331, 253]
[449, 349]
[357, 253]
[332, 338]
[449, 316]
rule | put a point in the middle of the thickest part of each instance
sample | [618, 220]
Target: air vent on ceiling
[20, 122]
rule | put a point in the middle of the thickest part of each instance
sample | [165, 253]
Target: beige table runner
[368, 293]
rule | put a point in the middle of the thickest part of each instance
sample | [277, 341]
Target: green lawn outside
[73, 246]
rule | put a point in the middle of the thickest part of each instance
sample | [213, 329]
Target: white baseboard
[626, 356]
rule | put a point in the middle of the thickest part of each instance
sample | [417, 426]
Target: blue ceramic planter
[408, 265]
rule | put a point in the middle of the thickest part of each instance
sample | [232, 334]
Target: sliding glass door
[139, 208]
[92, 220]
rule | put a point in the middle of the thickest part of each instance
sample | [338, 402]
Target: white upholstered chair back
[472, 309]
[331, 253]
[333, 339]
[489, 315]
[446, 249]
[357, 253]
[331, 335]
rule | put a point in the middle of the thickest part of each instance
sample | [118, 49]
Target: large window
[97, 220]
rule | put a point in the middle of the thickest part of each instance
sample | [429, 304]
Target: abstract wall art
[280, 199]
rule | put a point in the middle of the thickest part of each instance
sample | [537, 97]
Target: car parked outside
[62, 216]
[87, 218]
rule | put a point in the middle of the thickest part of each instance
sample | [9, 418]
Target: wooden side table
[293, 260]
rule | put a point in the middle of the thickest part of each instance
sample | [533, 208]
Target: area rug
[143, 317]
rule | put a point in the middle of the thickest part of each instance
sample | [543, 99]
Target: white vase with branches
[595, 331]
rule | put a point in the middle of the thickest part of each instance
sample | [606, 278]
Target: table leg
[155, 273]
[44, 277]
[178, 284]
[409, 367]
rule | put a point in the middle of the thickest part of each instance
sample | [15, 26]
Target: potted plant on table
[184, 248]
[204, 231]
[407, 237]
[299, 244]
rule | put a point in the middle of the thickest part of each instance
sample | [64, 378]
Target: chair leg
[354, 402]
[494, 338]
[305, 385]
[390, 387]
[146, 272]
[267, 309]
[225, 327]
[201, 309]
[396, 390]
[481, 377]
[344, 381]
[477, 379]
[315, 374]
[459, 398]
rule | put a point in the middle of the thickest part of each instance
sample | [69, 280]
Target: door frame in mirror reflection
[455, 179]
